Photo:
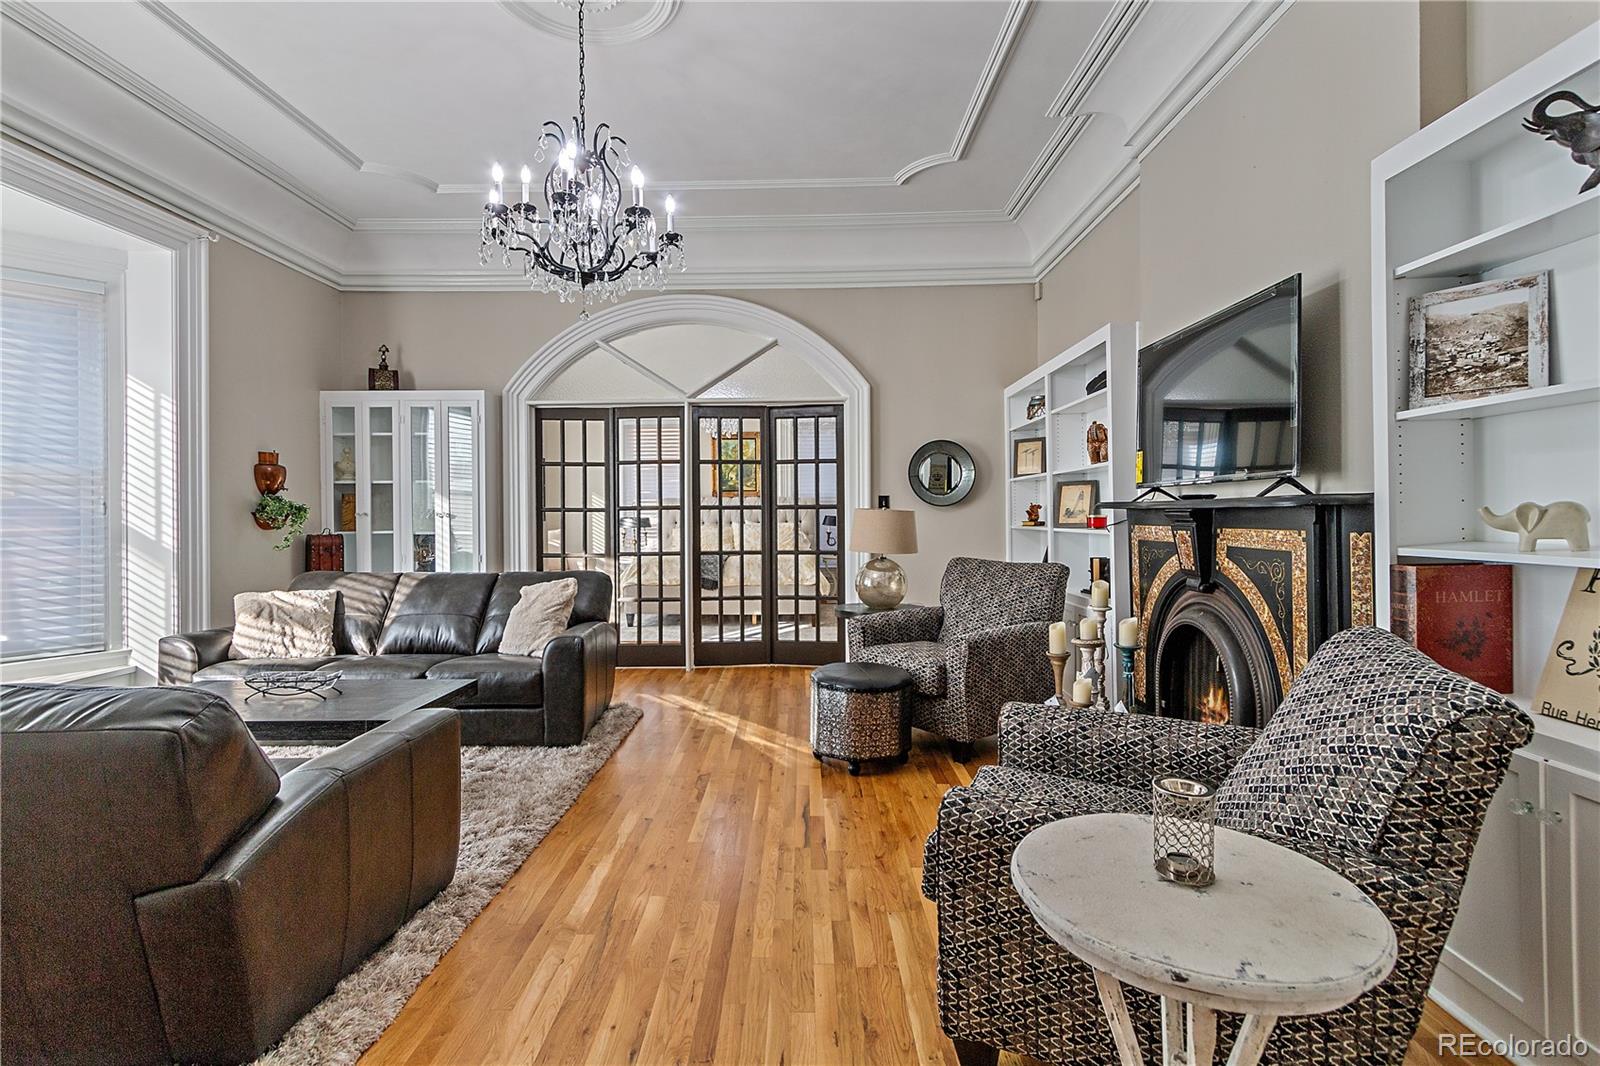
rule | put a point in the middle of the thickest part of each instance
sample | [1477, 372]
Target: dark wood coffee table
[335, 717]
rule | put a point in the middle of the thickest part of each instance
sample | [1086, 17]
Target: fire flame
[1214, 707]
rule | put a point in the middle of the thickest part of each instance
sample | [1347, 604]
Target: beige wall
[1503, 35]
[1098, 282]
[1267, 177]
[936, 359]
[274, 346]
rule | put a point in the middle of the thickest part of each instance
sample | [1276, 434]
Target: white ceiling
[856, 142]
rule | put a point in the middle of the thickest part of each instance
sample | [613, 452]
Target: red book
[1458, 614]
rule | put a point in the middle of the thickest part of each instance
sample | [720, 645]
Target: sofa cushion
[979, 594]
[544, 610]
[503, 680]
[435, 614]
[382, 667]
[1347, 738]
[233, 669]
[359, 614]
[924, 660]
[287, 624]
[592, 603]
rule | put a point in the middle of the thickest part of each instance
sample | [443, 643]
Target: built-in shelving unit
[1069, 410]
[1474, 197]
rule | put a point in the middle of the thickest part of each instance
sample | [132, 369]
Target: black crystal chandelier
[582, 244]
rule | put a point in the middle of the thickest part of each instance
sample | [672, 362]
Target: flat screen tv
[1220, 400]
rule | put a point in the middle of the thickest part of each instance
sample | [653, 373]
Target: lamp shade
[883, 531]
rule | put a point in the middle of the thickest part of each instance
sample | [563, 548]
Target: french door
[767, 559]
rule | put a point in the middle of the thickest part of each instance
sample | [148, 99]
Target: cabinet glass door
[341, 454]
[459, 524]
[382, 511]
[422, 458]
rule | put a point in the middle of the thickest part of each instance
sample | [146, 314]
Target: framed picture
[740, 472]
[1035, 406]
[1076, 501]
[1479, 340]
[1027, 456]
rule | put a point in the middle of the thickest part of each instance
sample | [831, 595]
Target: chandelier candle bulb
[527, 176]
[1058, 638]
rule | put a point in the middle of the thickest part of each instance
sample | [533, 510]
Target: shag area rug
[510, 799]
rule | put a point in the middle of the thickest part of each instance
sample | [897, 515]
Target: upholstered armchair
[983, 645]
[1380, 764]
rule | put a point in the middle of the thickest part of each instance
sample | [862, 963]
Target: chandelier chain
[582, 86]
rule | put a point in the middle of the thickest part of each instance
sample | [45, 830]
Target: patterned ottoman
[859, 711]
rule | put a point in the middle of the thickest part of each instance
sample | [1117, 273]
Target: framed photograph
[739, 473]
[1076, 501]
[1479, 340]
[1035, 406]
[1027, 456]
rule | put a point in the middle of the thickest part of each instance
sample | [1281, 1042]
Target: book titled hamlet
[1458, 614]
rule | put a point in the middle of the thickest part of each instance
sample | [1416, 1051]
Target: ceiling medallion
[577, 246]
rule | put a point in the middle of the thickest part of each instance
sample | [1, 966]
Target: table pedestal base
[1188, 1032]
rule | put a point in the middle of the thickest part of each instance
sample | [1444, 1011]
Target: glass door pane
[647, 474]
[461, 532]
[342, 476]
[382, 459]
[422, 459]
[807, 472]
[731, 602]
[573, 489]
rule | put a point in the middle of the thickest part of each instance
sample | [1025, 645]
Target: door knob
[1521, 808]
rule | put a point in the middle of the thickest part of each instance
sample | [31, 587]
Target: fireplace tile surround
[1262, 580]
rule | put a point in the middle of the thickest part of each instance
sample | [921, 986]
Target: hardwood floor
[716, 895]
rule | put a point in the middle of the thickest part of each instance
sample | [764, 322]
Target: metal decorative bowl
[291, 683]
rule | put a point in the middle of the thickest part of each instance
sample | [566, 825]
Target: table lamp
[880, 582]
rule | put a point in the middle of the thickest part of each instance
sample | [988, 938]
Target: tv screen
[1220, 400]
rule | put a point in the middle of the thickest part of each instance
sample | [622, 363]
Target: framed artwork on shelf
[1479, 340]
[1027, 456]
[1075, 502]
[1569, 688]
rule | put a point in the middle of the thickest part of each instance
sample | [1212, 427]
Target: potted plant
[279, 512]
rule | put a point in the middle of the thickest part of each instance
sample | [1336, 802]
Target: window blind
[54, 572]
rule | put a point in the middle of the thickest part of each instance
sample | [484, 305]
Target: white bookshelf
[1064, 427]
[1474, 197]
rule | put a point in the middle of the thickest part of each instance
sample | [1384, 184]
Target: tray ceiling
[866, 142]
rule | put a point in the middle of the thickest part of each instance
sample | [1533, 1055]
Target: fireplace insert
[1212, 664]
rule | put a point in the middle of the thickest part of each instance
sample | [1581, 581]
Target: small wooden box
[324, 551]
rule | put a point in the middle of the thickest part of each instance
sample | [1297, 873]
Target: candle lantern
[1184, 814]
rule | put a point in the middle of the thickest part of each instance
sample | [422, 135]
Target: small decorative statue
[1099, 445]
[1033, 516]
[344, 467]
[383, 378]
[1565, 520]
[1576, 131]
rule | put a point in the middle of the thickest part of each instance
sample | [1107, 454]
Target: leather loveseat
[393, 626]
[169, 897]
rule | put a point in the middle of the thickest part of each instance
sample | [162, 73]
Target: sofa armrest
[331, 869]
[899, 626]
[1117, 748]
[580, 670]
[183, 655]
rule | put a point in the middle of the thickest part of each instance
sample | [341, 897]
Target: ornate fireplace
[1234, 595]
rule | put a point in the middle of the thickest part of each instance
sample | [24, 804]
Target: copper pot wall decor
[270, 474]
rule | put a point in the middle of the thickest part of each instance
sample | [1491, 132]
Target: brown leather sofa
[169, 897]
[448, 626]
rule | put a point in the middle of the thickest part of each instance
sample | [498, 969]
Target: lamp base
[881, 583]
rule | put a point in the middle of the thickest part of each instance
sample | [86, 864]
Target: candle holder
[1184, 814]
[1093, 655]
[1127, 652]
[1058, 666]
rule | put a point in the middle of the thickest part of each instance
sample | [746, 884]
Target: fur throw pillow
[543, 610]
[283, 625]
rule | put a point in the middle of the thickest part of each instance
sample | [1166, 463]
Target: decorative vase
[881, 583]
[270, 474]
[344, 468]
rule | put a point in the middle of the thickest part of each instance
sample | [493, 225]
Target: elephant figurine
[1563, 520]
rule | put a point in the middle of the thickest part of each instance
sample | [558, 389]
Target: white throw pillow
[543, 610]
[283, 625]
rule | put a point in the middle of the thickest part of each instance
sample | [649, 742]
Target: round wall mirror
[942, 473]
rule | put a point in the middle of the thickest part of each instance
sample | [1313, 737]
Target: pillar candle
[1128, 632]
[1100, 594]
[1089, 629]
[1058, 638]
[1082, 691]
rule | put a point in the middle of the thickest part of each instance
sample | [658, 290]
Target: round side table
[1277, 934]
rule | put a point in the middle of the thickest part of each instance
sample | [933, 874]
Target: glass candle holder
[1185, 823]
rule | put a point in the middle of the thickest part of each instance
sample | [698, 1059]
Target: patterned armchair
[1380, 764]
[983, 645]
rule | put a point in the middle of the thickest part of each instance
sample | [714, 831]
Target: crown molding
[1039, 171]
[725, 223]
[817, 278]
[1110, 195]
[652, 22]
[1103, 48]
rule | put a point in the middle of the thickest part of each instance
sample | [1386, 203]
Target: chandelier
[582, 243]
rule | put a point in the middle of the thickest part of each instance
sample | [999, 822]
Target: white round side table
[1277, 934]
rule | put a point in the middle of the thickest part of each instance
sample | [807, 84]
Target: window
[58, 579]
